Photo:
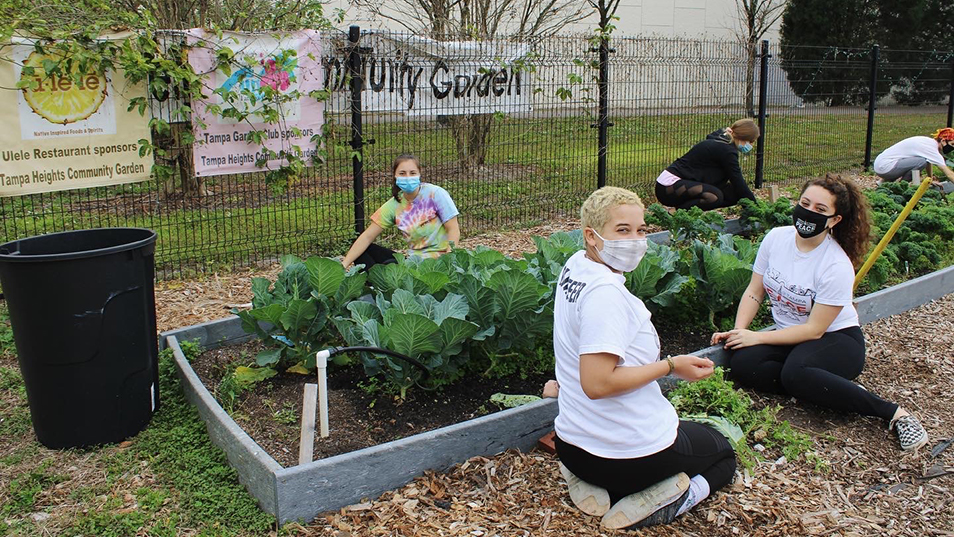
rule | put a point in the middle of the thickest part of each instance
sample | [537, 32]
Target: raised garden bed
[301, 492]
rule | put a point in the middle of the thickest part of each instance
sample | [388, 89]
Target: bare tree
[480, 20]
[756, 17]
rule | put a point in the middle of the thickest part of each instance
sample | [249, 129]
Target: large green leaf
[292, 282]
[351, 288]
[271, 314]
[325, 275]
[480, 299]
[250, 324]
[388, 277]
[454, 306]
[405, 302]
[261, 295]
[413, 335]
[268, 357]
[362, 311]
[642, 281]
[487, 257]
[433, 281]
[515, 294]
[299, 315]
[666, 295]
[455, 331]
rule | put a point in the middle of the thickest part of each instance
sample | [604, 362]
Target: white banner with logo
[424, 77]
[66, 130]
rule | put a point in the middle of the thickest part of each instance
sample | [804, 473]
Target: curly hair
[853, 232]
[595, 210]
[946, 133]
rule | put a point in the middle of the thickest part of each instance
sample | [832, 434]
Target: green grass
[193, 486]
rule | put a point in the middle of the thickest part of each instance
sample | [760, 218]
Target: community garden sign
[267, 88]
[66, 130]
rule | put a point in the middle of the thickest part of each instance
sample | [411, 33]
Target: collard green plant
[722, 271]
[291, 315]
[759, 216]
[418, 326]
[686, 225]
[657, 280]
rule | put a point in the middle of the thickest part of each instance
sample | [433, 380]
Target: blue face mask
[745, 148]
[408, 184]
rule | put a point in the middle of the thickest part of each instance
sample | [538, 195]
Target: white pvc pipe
[321, 364]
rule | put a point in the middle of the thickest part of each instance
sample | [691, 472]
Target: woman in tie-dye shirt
[425, 214]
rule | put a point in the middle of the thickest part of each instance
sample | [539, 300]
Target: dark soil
[360, 417]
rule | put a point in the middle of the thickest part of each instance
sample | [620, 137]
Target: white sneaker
[662, 497]
[589, 498]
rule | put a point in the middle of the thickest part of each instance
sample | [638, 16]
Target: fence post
[763, 89]
[950, 99]
[357, 135]
[603, 122]
[872, 97]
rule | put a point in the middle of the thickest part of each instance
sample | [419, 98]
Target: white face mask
[623, 255]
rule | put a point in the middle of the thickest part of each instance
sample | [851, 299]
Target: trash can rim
[65, 256]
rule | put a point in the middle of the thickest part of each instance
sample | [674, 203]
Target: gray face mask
[623, 255]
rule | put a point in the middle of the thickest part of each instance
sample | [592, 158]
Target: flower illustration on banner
[277, 77]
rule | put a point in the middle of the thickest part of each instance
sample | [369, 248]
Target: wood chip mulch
[867, 487]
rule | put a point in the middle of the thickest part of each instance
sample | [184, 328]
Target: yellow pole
[863, 271]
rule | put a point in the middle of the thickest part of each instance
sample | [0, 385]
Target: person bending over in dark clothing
[709, 176]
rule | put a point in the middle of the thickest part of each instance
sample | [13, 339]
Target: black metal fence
[571, 114]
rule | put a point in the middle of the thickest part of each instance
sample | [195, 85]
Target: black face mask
[947, 149]
[808, 223]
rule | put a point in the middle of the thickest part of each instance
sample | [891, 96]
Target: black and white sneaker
[589, 498]
[656, 504]
[910, 432]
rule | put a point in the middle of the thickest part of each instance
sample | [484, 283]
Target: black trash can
[83, 311]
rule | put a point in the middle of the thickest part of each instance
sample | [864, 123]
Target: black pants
[698, 450]
[374, 255]
[818, 371]
[685, 194]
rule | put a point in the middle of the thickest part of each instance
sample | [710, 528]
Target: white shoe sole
[589, 498]
[640, 505]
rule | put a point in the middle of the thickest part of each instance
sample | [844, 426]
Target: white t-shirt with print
[594, 312]
[915, 146]
[795, 280]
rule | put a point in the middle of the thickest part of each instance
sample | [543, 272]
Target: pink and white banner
[262, 73]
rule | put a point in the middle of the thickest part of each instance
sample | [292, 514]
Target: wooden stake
[306, 446]
[773, 193]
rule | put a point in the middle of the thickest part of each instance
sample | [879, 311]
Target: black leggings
[375, 255]
[818, 371]
[685, 194]
[698, 449]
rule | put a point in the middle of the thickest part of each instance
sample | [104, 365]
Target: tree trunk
[750, 52]
[471, 133]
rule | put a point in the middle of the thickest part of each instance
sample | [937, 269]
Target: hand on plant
[551, 389]
[692, 368]
[740, 338]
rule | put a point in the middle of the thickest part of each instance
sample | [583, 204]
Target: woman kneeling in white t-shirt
[618, 438]
[807, 270]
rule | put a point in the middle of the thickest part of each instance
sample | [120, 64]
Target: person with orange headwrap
[914, 153]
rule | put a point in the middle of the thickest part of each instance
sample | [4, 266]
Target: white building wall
[712, 19]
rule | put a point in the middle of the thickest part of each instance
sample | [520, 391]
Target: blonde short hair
[595, 210]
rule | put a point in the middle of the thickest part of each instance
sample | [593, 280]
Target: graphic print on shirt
[793, 302]
[417, 215]
[571, 288]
